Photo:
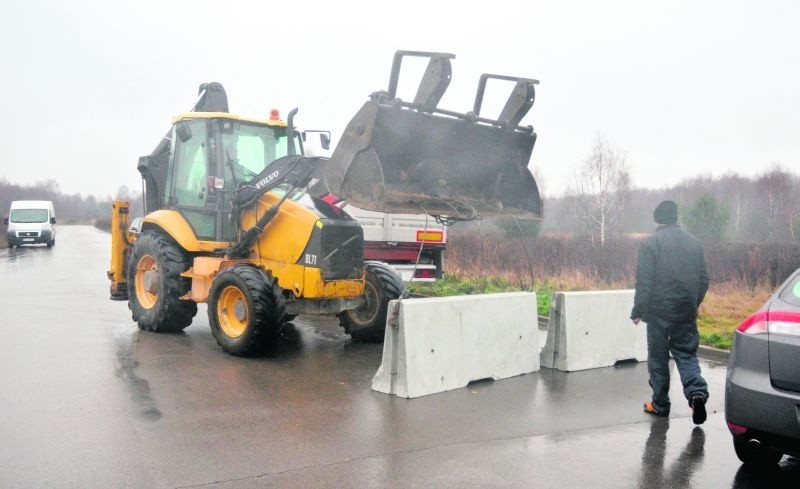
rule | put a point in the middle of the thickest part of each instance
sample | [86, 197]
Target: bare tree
[777, 189]
[601, 187]
[736, 195]
[792, 208]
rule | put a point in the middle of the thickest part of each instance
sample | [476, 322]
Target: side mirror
[184, 132]
[5, 221]
[52, 220]
[324, 137]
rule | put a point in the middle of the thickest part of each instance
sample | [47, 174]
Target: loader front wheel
[246, 310]
[155, 285]
[368, 322]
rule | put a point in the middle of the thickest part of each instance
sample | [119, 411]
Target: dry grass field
[742, 276]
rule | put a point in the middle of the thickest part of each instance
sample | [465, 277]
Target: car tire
[162, 311]
[368, 323]
[246, 310]
[756, 456]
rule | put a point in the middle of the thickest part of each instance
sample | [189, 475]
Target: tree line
[603, 204]
[70, 208]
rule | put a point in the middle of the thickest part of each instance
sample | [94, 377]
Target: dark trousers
[680, 339]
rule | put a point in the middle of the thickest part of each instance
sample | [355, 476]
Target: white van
[30, 222]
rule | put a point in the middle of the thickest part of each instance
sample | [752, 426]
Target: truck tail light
[425, 273]
[430, 236]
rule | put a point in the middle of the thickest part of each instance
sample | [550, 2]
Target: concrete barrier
[591, 330]
[438, 344]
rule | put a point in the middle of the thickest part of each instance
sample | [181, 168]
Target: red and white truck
[396, 239]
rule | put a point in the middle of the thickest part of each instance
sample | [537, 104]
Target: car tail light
[736, 429]
[425, 273]
[755, 324]
[781, 322]
[784, 322]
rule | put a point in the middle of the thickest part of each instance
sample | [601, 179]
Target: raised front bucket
[398, 159]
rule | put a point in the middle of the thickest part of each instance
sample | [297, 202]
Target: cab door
[193, 161]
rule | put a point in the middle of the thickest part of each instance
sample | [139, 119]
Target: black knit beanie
[666, 212]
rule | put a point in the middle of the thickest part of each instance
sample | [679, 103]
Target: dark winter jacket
[671, 276]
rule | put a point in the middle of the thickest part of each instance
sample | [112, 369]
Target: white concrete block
[591, 330]
[438, 344]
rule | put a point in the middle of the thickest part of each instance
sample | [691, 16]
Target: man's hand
[636, 321]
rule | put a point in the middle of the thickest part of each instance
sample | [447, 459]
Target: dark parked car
[762, 392]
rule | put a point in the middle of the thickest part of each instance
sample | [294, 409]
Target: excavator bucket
[402, 157]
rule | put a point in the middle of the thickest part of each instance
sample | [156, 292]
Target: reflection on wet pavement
[681, 469]
[786, 475]
[126, 338]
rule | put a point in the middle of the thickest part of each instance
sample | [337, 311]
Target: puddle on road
[126, 337]
[19, 254]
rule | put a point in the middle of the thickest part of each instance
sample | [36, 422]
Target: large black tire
[161, 311]
[368, 323]
[246, 310]
[756, 456]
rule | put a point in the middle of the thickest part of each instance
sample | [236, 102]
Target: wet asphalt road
[87, 400]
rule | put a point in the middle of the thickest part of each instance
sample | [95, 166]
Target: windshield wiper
[235, 165]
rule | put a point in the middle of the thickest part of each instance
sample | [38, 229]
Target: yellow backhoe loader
[238, 217]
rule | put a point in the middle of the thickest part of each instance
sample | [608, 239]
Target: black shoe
[698, 410]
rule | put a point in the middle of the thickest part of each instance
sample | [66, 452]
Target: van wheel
[246, 310]
[368, 323]
[155, 285]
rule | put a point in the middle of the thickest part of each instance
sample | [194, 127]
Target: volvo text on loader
[236, 215]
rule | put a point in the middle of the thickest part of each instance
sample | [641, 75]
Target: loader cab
[206, 158]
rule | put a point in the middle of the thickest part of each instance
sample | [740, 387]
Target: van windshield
[28, 215]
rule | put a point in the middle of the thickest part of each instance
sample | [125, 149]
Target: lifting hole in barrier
[626, 363]
[486, 380]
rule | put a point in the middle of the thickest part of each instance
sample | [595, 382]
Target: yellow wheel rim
[366, 314]
[147, 282]
[232, 311]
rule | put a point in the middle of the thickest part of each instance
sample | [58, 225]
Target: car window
[791, 293]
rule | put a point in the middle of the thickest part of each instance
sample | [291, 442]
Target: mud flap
[403, 157]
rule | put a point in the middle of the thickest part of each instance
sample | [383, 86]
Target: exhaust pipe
[754, 444]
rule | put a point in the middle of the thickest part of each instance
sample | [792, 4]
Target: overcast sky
[682, 87]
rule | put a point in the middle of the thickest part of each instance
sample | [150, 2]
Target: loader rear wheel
[155, 285]
[368, 323]
[246, 310]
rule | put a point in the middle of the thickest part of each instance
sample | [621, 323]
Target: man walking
[671, 282]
